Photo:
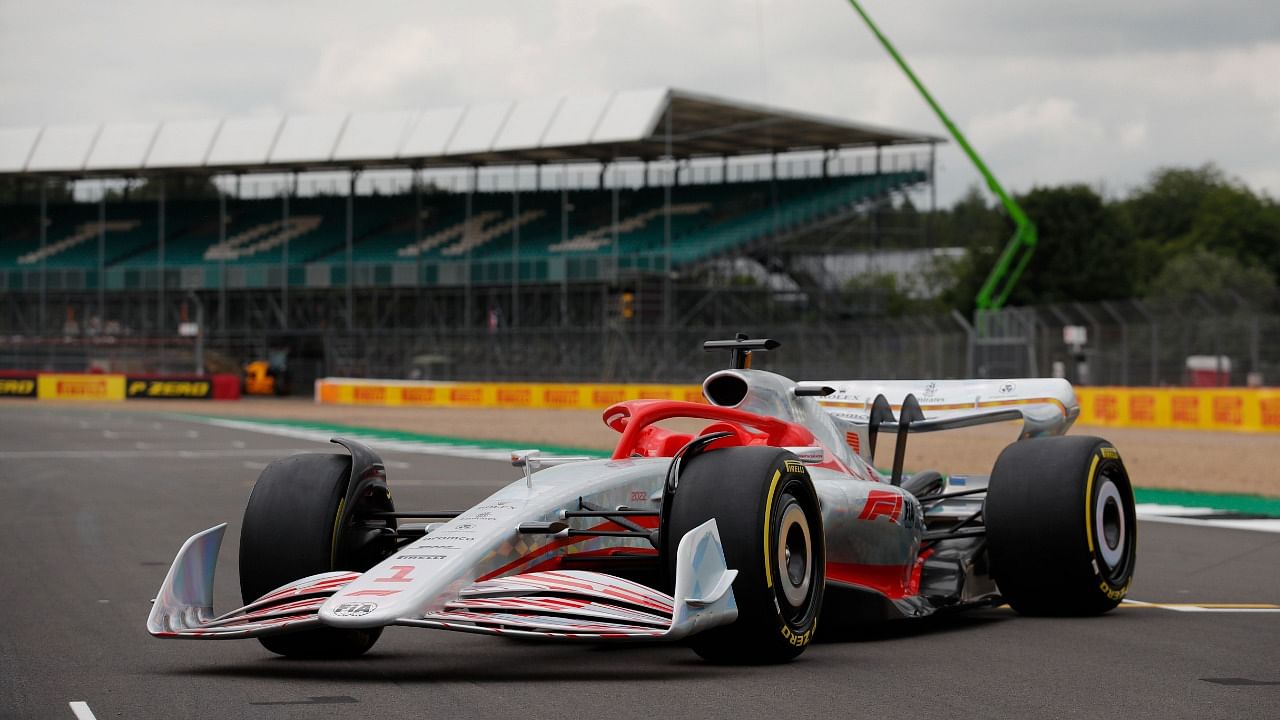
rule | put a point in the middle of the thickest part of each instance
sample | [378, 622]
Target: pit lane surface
[93, 506]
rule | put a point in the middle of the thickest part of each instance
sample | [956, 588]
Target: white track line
[1271, 526]
[81, 710]
[1185, 515]
[132, 454]
[1159, 509]
[373, 439]
[151, 433]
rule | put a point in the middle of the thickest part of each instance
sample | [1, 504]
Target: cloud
[352, 73]
[1055, 119]
[1133, 135]
[1086, 91]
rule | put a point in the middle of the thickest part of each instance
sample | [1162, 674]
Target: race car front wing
[551, 605]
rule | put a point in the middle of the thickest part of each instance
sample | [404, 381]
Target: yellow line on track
[1205, 606]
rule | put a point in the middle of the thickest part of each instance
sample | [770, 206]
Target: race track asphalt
[93, 506]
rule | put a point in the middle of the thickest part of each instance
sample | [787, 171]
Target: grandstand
[429, 255]
[709, 220]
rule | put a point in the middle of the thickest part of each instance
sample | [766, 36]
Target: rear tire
[289, 532]
[1061, 526]
[770, 525]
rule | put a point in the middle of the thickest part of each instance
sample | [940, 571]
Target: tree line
[1184, 231]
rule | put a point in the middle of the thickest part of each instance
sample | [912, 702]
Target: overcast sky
[1056, 91]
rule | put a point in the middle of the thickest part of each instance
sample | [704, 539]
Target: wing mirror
[531, 461]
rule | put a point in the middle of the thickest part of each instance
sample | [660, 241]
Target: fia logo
[355, 609]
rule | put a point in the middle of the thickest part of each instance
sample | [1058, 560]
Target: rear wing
[1046, 406]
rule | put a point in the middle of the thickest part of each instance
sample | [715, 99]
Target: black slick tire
[289, 532]
[770, 525]
[1061, 526]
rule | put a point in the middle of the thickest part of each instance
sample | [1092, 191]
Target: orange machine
[260, 378]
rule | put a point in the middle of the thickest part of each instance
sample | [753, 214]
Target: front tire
[1061, 526]
[290, 532]
[770, 525]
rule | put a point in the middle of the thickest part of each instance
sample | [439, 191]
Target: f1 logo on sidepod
[882, 503]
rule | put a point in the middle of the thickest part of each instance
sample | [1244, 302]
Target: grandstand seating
[453, 232]
[83, 232]
[603, 235]
[705, 220]
[263, 237]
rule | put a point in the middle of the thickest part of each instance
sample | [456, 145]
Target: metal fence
[1148, 342]
[1131, 342]
[911, 347]
[104, 354]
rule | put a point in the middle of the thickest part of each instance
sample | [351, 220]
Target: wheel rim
[795, 555]
[1110, 525]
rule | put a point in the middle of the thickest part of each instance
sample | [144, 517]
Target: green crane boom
[1015, 256]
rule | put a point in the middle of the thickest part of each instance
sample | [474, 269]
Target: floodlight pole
[933, 177]
[284, 254]
[564, 238]
[613, 227]
[875, 215]
[417, 235]
[666, 236]
[515, 247]
[1017, 253]
[466, 237]
[773, 193]
[44, 235]
[161, 233]
[222, 262]
[102, 256]
[199, 331]
[350, 231]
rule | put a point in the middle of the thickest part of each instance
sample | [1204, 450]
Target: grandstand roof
[625, 125]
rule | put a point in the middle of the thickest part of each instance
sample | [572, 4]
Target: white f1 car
[736, 539]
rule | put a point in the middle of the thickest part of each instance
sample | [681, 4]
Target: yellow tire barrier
[93, 387]
[113, 387]
[1235, 409]
[393, 393]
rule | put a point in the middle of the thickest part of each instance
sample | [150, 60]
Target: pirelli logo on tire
[168, 388]
[18, 387]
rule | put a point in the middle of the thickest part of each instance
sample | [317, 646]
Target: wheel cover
[795, 554]
[1110, 526]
